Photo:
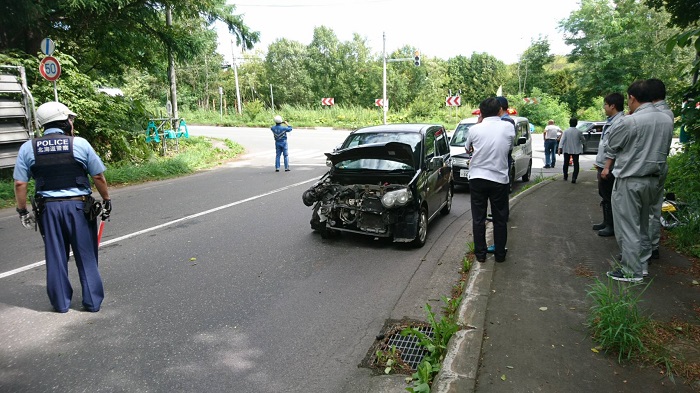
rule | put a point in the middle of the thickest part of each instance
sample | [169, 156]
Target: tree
[286, 72]
[322, 63]
[615, 43]
[108, 36]
[531, 70]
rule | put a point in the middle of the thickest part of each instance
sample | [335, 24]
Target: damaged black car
[384, 181]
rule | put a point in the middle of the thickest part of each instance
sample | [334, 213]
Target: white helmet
[52, 111]
[278, 119]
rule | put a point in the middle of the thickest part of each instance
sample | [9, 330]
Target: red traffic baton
[99, 232]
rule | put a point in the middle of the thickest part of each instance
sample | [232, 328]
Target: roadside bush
[684, 181]
[547, 108]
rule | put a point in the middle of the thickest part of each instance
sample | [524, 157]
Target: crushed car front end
[370, 190]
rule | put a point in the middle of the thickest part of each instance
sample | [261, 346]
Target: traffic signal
[416, 58]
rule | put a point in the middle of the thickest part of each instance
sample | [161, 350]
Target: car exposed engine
[353, 208]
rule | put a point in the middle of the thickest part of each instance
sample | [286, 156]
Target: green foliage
[423, 377]
[615, 43]
[389, 359]
[547, 108]
[615, 319]
[108, 36]
[254, 109]
[194, 154]
[684, 181]
[435, 345]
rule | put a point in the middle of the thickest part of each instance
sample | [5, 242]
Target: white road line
[151, 229]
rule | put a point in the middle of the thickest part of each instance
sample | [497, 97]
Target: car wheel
[526, 176]
[448, 205]
[422, 232]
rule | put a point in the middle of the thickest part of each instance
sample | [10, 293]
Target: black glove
[26, 218]
[106, 209]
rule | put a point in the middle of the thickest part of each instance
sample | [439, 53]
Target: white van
[522, 151]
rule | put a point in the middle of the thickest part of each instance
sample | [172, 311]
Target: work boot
[609, 229]
[600, 226]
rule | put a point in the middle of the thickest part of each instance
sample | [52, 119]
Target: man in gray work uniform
[657, 90]
[640, 144]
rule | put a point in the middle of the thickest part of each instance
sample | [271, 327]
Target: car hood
[393, 151]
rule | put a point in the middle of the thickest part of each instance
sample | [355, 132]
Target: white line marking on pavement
[151, 229]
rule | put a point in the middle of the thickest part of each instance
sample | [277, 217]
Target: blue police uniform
[280, 133]
[60, 165]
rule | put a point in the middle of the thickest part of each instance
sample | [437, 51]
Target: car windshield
[364, 138]
[410, 138]
[459, 137]
[373, 164]
[583, 125]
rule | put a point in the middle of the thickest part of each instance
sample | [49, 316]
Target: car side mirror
[435, 163]
[522, 140]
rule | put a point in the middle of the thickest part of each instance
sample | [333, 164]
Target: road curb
[459, 369]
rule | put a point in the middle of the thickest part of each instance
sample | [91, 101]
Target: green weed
[615, 320]
[435, 345]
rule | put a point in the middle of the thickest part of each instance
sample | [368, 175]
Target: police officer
[280, 131]
[60, 164]
[640, 145]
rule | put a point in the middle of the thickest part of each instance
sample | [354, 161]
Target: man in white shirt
[489, 141]
[551, 135]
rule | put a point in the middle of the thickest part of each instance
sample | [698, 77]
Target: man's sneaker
[619, 275]
[655, 254]
[481, 259]
[645, 272]
[547, 166]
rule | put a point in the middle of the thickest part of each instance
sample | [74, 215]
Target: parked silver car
[522, 151]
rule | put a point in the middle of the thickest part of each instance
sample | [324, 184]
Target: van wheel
[526, 176]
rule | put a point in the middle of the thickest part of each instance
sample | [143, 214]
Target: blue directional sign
[48, 46]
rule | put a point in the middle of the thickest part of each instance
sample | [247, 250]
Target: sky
[438, 28]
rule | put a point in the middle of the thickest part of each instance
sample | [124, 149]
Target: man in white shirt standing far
[489, 141]
[551, 135]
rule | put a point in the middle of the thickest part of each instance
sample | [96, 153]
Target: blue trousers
[550, 152]
[65, 228]
[281, 149]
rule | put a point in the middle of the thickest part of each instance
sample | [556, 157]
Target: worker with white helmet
[66, 212]
[280, 131]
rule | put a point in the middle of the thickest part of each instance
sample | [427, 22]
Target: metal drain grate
[411, 352]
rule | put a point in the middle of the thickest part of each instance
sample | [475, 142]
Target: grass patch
[615, 319]
[194, 153]
[617, 324]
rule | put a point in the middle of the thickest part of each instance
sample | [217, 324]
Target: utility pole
[235, 75]
[171, 68]
[384, 103]
[415, 60]
[272, 98]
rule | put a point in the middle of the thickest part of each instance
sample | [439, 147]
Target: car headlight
[460, 162]
[396, 198]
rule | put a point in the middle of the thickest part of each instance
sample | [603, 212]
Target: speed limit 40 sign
[49, 68]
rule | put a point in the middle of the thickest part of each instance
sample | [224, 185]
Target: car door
[593, 138]
[521, 155]
[434, 184]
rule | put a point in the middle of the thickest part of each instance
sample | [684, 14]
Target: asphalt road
[215, 282]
